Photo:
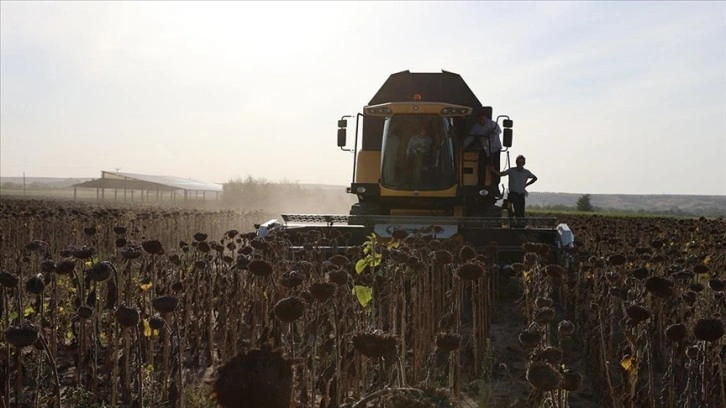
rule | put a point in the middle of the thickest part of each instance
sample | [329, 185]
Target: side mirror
[342, 136]
[507, 137]
[508, 123]
[342, 123]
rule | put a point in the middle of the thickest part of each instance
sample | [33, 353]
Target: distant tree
[584, 204]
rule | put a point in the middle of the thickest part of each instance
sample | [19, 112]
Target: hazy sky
[606, 97]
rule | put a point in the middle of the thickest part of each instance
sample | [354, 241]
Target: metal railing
[473, 222]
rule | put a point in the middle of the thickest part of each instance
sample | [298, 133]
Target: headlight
[360, 190]
[483, 193]
[379, 111]
[451, 111]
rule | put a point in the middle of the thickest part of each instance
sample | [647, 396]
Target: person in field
[519, 179]
[484, 138]
[419, 147]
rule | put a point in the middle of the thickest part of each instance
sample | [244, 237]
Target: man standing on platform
[484, 137]
[519, 179]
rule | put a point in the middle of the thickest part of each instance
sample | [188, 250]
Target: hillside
[41, 182]
[662, 203]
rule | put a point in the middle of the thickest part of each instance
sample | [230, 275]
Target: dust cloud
[288, 198]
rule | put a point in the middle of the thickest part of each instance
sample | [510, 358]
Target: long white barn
[149, 188]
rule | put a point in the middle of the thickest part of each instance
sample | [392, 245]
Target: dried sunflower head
[8, 280]
[566, 328]
[467, 253]
[322, 291]
[291, 279]
[374, 345]
[676, 332]
[550, 354]
[555, 271]
[710, 329]
[543, 376]
[35, 284]
[289, 309]
[338, 260]
[530, 338]
[659, 287]
[338, 276]
[544, 315]
[21, 336]
[257, 378]
[165, 304]
[101, 271]
[637, 313]
[47, 266]
[443, 257]
[470, 271]
[571, 380]
[260, 268]
[126, 316]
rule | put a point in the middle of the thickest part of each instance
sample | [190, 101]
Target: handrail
[485, 222]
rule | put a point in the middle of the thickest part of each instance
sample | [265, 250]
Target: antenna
[117, 169]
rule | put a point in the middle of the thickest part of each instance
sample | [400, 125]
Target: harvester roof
[433, 87]
[444, 87]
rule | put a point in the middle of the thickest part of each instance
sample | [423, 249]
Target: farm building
[144, 187]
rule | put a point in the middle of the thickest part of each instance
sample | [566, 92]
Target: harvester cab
[413, 172]
[410, 157]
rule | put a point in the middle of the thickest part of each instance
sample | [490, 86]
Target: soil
[508, 386]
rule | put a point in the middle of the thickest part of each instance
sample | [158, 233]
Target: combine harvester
[437, 195]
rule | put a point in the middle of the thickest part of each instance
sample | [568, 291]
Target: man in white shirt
[519, 179]
[484, 135]
[484, 138]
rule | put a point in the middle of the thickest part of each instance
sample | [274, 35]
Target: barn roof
[111, 179]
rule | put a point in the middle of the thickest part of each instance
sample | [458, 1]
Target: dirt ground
[509, 386]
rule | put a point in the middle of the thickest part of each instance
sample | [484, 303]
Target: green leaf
[361, 265]
[364, 294]
[376, 260]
